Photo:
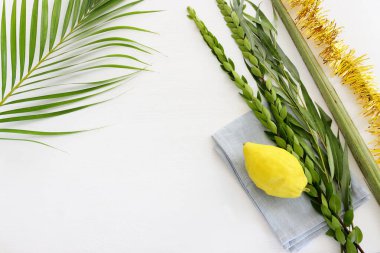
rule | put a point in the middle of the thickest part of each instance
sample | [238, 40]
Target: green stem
[359, 149]
[347, 232]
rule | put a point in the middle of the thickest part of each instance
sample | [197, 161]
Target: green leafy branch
[71, 39]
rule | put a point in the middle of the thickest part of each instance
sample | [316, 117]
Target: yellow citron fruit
[274, 170]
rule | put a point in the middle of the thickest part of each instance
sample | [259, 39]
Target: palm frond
[65, 39]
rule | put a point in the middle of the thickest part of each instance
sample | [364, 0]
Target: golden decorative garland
[313, 22]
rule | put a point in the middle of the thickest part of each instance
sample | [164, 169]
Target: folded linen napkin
[294, 221]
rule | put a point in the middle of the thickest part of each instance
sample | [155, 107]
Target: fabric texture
[293, 221]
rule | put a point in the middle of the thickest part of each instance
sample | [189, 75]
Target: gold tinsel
[353, 71]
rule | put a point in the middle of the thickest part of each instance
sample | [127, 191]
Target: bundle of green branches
[305, 132]
[69, 39]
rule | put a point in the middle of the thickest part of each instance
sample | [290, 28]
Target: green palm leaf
[72, 38]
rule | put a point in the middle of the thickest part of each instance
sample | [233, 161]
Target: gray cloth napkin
[294, 221]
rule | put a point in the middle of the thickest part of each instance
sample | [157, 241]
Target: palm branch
[65, 39]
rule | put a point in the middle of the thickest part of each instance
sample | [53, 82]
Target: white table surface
[151, 181]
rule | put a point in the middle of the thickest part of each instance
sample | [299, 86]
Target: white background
[151, 181]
